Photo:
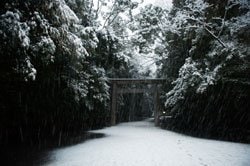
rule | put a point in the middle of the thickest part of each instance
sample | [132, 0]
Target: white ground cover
[142, 144]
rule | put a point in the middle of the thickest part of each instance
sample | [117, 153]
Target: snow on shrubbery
[89, 38]
[103, 95]
[197, 74]
[45, 45]
[18, 31]
[16, 35]
[64, 13]
[30, 71]
[74, 45]
[189, 75]
[56, 33]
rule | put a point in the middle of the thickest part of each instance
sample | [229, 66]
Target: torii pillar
[113, 104]
[156, 105]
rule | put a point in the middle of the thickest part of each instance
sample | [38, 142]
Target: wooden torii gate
[126, 81]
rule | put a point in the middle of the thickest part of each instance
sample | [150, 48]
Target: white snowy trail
[142, 144]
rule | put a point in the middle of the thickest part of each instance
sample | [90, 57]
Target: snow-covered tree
[207, 60]
[54, 57]
[197, 32]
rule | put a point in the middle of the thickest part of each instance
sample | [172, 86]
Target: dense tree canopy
[56, 56]
[54, 66]
[207, 58]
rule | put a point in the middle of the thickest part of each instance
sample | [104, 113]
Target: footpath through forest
[142, 144]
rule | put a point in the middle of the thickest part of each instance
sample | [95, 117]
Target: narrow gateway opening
[134, 106]
[137, 90]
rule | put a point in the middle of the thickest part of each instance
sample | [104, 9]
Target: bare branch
[97, 9]
[91, 6]
[212, 34]
[111, 13]
[110, 22]
[224, 17]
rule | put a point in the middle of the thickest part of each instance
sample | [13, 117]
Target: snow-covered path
[142, 144]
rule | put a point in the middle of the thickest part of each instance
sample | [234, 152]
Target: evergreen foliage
[208, 62]
[56, 57]
[53, 69]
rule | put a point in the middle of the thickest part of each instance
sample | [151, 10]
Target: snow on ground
[142, 144]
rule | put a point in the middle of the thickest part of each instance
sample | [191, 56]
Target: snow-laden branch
[205, 26]
[225, 16]
[214, 36]
[110, 15]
